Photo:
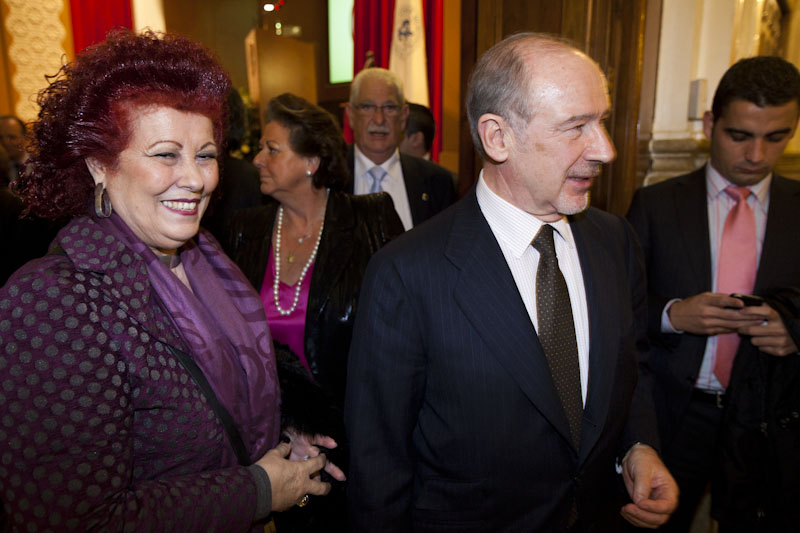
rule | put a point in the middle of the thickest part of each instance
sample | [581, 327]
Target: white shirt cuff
[666, 324]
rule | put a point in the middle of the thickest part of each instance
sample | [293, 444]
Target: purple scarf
[225, 328]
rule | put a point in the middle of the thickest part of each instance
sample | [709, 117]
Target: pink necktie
[736, 271]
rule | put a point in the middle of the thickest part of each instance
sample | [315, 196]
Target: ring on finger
[303, 501]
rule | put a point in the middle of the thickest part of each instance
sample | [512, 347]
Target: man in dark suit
[685, 225]
[377, 113]
[491, 386]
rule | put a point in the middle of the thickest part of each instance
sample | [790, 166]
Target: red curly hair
[87, 108]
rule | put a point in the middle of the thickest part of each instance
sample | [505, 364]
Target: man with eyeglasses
[377, 113]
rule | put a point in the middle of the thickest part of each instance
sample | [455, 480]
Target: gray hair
[502, 82]
[376, 73]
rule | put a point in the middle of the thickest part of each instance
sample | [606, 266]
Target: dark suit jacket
[429, 187]
[355, 228]
[758, 469]
[21, 239]
[239, 188]
[453, 419]
[671, 220]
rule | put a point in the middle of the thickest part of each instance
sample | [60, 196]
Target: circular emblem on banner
[408, 33]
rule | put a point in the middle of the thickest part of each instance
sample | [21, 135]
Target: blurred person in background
[22, 238]
[12, 139]
[420, 130]
[305, 251]
[239, 184]
[377, 112]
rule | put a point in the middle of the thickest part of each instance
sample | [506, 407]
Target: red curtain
[433, 12]
[372, 30]
[91, 20]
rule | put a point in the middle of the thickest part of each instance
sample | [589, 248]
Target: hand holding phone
[749, 299]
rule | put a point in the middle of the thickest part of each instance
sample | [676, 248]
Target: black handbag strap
[234, 437]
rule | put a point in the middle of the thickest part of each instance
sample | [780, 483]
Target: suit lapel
[691, 212]
[415, 188]
[487, 295]
[149, 315]
[349, 187]
[333, 256]
[601, 297]
[778, 235]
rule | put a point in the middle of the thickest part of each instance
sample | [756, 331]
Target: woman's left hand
[305, 445]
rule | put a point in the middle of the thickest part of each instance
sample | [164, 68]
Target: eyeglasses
[389, 110]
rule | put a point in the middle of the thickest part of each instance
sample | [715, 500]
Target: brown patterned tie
[557, 330]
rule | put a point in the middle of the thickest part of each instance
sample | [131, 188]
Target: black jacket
[671, 221]
[21, 239]
[355, 228]
[757, 490]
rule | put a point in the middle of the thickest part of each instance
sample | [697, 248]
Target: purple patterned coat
[100, 427]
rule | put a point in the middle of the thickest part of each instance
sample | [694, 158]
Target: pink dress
[288, 330]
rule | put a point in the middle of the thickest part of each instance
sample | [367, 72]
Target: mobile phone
[749, 299]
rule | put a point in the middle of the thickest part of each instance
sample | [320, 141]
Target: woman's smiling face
[162, 182]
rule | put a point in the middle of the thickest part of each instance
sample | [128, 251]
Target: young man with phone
[725, 363]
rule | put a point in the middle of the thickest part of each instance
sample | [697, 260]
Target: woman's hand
[305, 446]
[292, 480]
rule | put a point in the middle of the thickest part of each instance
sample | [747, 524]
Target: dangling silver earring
[102, 205]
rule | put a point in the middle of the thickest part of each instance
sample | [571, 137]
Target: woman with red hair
[139, 387]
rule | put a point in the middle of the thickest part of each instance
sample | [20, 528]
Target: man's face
[11, 137]
[552, 162]
[747, 140]
[377, 120]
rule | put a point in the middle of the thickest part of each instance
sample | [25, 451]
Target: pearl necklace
[298, 285]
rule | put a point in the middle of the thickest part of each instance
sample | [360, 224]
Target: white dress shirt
[514, 230]
[393, 183]
[719, 204]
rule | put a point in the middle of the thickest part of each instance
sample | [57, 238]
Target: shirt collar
[716, 184]
[366, 163]
[510, 224]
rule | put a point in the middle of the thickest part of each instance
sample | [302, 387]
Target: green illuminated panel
[340, 40]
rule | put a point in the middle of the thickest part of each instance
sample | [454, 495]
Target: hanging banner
[407, 57]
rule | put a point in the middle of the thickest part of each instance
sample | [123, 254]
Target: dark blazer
[355, 228]
[429, 186]
[671, 221]
[21, 239]
[453, 419]
[758, 471]
[239, 188]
